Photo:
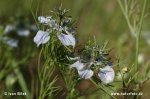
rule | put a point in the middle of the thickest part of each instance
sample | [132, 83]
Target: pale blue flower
[23, 32]
[41, 37]
[67, 39]
[78, 65]
[106, 74]
[12, 43]
[85, 74]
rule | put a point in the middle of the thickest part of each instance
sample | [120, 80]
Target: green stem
[102, 88]
[132, 29]
[21, 81]
[125, 13]
[34, 14]
[139, 33]
[39, 61]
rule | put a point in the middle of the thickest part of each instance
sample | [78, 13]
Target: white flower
[141, 58]
[48, 21]
[106, 74]
[125, 69]
[85, 74]
[12, 43]
[23, 32]
[9, 28]
[78, 65]
[44, 20]
[41, 37]
[67, 39]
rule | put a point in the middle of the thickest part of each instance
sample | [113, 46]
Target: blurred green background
[103, 19]
[100, 18]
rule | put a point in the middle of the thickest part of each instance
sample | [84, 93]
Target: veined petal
[78, 65]
[67, 39]
[41, 37]
[86, 74]
[106, 74]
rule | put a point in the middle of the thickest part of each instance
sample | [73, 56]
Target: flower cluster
[94, 62]
[20, 30]
[93, 59]
[12, 32]
[61, 27]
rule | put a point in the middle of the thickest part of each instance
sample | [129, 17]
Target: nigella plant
[56, 37]
[94, 61]
[59, 27]
[56, 34]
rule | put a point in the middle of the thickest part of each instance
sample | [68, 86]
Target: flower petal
[106, 75]
[41, 37]
[67, 39]
[78, 65]
[86, 74]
